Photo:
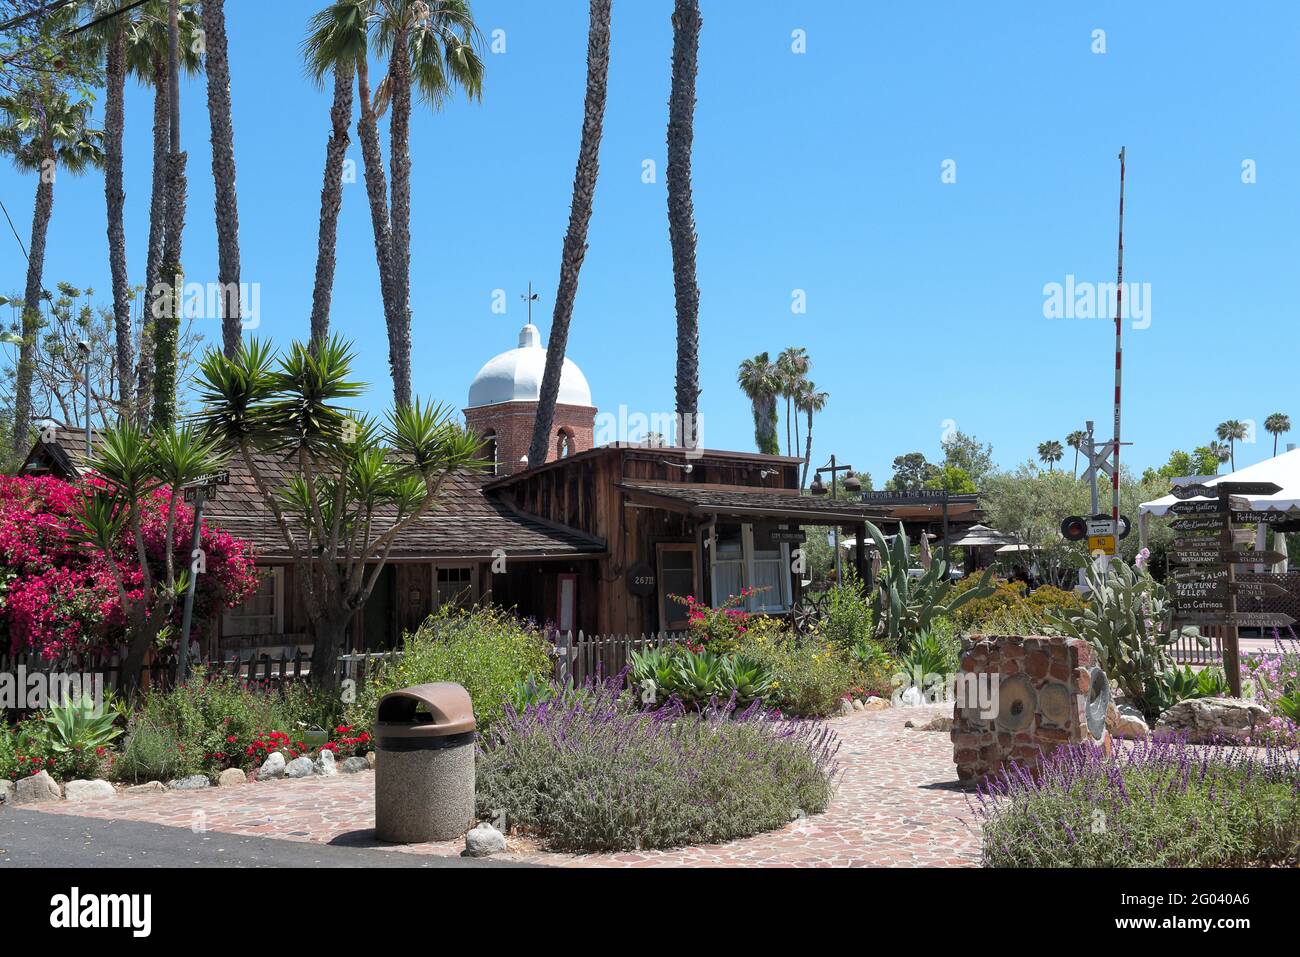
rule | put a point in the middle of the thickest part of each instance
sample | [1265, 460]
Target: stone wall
[1047, 688]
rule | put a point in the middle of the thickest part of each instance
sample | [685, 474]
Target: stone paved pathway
[897, 805]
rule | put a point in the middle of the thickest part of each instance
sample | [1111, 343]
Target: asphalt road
[35, 839]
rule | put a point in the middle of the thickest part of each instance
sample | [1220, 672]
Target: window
[455, 586]
[739, 561]
[262, 614]
[563, 444]
[676, 580]
[490, 450]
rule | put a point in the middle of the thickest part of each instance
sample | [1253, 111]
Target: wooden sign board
[1195, 490]
[1258, 589]
[1252, 558]
[1203, 507]
[1205, 523]
[1208, 573]
[1199, 588]
[1198, 605]
[1248, 619]
[1255, 517]
[1247, 488]
[1197, 556]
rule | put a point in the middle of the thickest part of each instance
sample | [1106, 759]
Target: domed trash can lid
[433, 715]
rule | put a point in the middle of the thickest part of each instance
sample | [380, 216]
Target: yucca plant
[904, 607]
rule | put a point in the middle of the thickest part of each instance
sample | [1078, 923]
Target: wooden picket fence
[1188, 651]
[580, 658]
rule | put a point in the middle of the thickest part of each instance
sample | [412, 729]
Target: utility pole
[1119, 352]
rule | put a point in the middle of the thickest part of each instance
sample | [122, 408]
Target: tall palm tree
[1075, 441]
[1220, 451]
[681, 213]
[167, 296]
[759, 379]
[809, 401]
[431, 45]
[792, 366]
[1232, 431]
[223, 171]
[1050, 452]
[336, 42]
[147, 60]
[575, 240]
[44, 132]
[1277, 424]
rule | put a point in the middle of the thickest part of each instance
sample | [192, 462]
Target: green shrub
[485, 650]
[1152, 804]
[8, 752]
[152, 752]
[591, 772]
[697, 678]
[1012, 609]
[811, 674]
[847, 620]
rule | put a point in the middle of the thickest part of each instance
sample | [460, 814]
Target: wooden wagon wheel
[806, 615]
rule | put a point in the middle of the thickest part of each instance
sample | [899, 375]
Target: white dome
[516, 376]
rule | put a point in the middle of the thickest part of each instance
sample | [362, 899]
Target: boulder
[857, 704]
[846, 708]
[95, 790]
[148, 787]
[875, 703]
[38, 788]
[6, 791]
[370, 758]
[191, 782]
[1209, 720]
[272, 767]
[299, 768]
[325, 765]
[484, 840]
[912, 697]
[941, 723]
[353, 765]
[1127, 722]
[231, 777]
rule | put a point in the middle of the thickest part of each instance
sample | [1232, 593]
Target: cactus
[1128, 621]
[903, 607]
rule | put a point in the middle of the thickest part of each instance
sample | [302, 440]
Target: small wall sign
[641, 579]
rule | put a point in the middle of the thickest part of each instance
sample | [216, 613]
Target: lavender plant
[1158, 803]
[589, 771]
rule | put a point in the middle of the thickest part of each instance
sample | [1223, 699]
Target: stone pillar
[1034, 695]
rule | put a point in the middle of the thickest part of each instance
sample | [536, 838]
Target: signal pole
[1119, 352]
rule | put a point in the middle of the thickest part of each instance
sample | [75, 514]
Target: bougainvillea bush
[57, 596]
[587, 770]
[1160, 803]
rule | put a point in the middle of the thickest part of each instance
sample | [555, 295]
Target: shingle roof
[715, 500]
[467, 523]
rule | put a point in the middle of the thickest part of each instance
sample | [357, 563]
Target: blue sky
[819, 172]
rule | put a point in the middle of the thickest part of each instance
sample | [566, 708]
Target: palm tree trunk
[167, 326]
[399, 156]
[114, 200]
[331, 199]
[575, 240]
[1076, 463]
[376, 189]
[223, 172]
[41, 213]
[795, 416]
[157, 234]
[807, 455]
[681, 210]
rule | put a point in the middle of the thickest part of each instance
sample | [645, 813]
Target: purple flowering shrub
[1158, 803]
[1275, 679]
[587, 770]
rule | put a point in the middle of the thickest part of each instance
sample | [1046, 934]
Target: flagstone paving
[897, 804]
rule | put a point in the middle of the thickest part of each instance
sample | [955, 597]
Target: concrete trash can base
[424, 765]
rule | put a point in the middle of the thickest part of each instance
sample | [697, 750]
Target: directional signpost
[1207, 592]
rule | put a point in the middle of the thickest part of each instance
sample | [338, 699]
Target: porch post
[860, 551]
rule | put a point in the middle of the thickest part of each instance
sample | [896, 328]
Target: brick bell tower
[503, 401]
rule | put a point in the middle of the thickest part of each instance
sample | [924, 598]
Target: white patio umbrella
[926, 557]
[1279, 545]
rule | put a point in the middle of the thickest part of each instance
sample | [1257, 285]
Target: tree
[808, 401]
[130, 467]
[759, 380]
[1232, 432]
[1219, 451]
[952, 479]
[911, 472]
[223, 171]
[792, 367]
[335, 43]
[431, 45]
[1277, 424]
[1075, 441]
[969, 454]
[681, 215]
[575, 239]
[1050, 452]
[44, 131]
[354, 485]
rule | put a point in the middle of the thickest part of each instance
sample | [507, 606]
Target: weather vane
[530, 299]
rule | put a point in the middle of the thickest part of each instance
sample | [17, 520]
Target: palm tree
[792, 365]
[681, 213]
[45, 132]
[1050, 452]
[1231, 431]
[1221, 452]
[759, 379]
[431, 44]
[1075, 441]
[335, 43]
[575, 240]
[809, 401]
[147, 59]
[223, 171]
[1277, 424]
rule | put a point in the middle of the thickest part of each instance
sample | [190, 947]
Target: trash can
[424, 764]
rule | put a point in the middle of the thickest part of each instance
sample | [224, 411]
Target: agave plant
[747, 678]
[1128, 620]
[905, 607]
[79, 725]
